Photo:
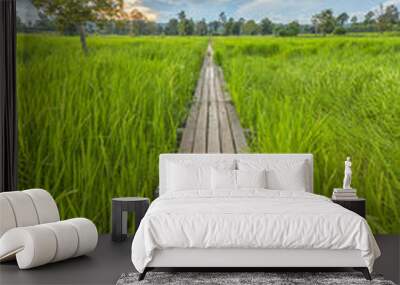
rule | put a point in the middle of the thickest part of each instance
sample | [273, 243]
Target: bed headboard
[210, 158]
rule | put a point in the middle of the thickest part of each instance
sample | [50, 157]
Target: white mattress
[256, 257]
[250, 219]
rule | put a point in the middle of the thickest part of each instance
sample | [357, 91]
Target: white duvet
[250, 219]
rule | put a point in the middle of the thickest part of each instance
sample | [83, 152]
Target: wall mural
[105, 86]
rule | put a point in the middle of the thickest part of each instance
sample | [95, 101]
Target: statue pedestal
[344, 194]
[351, 190]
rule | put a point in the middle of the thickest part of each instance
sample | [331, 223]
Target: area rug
[269, 278]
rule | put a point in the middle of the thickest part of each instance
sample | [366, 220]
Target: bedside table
[120, 209]
[356, 205]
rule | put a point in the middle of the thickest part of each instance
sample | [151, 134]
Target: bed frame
[242, 259]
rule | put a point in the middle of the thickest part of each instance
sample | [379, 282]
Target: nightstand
[357, 205]
[120, 209]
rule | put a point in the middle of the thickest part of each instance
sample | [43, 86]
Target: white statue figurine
[347, 174]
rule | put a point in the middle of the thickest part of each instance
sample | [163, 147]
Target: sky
[282, 11]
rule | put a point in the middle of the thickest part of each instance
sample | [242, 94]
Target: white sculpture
[347, 173]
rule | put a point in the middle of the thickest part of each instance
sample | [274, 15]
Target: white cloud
[278, 10]
[376, 9]
[302, 10]
[391, 2]
[129, 5]
[385, 4]
[26, 11]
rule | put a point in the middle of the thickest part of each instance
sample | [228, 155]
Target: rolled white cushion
[7, 218]
[33, 246]
[26, 208]
[37, 245]
[23, 208]
[67, 240]
[87, 235]
[45, 205]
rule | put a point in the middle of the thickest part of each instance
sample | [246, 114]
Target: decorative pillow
[251, 178]
[223, 179]
[188, 177]
[281, 174]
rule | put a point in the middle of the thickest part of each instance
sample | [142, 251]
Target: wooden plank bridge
[212, 125]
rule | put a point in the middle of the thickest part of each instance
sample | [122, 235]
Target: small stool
[120, 209]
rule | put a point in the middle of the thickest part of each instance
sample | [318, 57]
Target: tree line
[384, 19]
[108, 17]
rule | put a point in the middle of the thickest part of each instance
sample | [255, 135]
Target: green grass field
[332, 97]
[91, 128]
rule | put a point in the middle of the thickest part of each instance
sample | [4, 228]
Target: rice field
[332, 97]
[92, 127]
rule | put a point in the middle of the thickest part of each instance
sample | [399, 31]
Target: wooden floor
[212, 125]
[110, 259]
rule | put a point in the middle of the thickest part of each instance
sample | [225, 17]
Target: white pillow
[188, 177]
[282, 174]
[223, 179]
[288, 179]
[235, 179]
[251, 178]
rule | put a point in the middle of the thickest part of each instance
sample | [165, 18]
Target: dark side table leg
[116, 226]
[140, 211]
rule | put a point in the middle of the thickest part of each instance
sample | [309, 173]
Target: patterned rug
[269, 278]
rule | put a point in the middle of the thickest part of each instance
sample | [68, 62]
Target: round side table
[120, 208]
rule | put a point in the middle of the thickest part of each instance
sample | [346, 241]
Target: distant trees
[324, 22]
[182, 23]
[266, 26]
[222, 19]
[108, 17]
[229, 27]
[250, 28]
[369, 18]
[44, 23]
[20, 25]
[201, 28]
[78, 13]
[388, 18]
[385, 19]
[340, 30]
[171, 28]
[186, 26]
[290, 30]
[342, 19]
[213, 27]
[354, 20]
[238, 27]
[293, 28]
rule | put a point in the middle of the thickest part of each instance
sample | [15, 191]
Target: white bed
[249, 227]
